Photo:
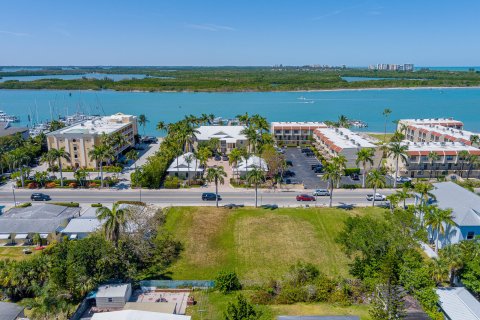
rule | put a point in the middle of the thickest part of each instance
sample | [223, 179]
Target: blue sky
[227, 32]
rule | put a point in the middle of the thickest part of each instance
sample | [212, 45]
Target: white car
[403, 179]
[378, 197]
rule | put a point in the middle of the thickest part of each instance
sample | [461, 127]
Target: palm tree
[425, 191]
[48, 159]
[463, 155]
[398, 151]
[142, 120]
[437, 219]
[99, 154]
[132, 155]
[60, 154]
[161, 126]
[473, 161]
[233, 158]
[244, 119]
[432, 156]
[453, 257]
[364, 156]
[343, 121]
[188, 160]
[256, 176]
[80, 176]
[375, 179]
[252, 136]
[332, 174]
[393, 201]
[340, 162]
[404, 194]
[18, 160]
[386, 113]
[474, 139]
[439, 270]
[115, 221]
[216, 174]
[204, 154]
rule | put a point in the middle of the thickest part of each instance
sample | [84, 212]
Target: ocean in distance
[365, 105]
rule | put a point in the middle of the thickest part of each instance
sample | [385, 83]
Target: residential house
[11, 311]
[138, 315]
[6, 130]
[182, 169]
[113, 296]
[246, 165]
[294, 133]
[458, 304]
[230, 137]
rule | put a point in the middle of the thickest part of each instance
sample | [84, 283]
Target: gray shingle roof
[465, 205]
[9, 311]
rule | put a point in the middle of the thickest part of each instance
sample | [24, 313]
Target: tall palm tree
[216, 174]
[375, 180]
[115, 221]
[340, 162]
[161, 126]
[474, 139]
[252, 136]
[433, 157]
[453, 257]
[463, 156]
[343, 121]
[188, 160]
[233, 158]
[99, 154]
[437, 219]
[244, 119]
[204, 154]
[19, 159]
[60, 154]
[256, 176]
[386, 113]
[404, 194]
[332, 174]
[80, 176]
[142, 120]
[398, 151]
[364, 156]
[132, 155]
[473, 161]
[439, 270]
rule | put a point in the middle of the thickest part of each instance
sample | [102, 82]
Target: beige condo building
[78, 139]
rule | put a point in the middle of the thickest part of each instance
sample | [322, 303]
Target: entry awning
[21, 236]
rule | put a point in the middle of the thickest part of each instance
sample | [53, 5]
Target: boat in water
[4, 117]
[358, 123]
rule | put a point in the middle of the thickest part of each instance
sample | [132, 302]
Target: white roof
[112, 290]
[137, 315]
[253, 161]
[343, 138]
[183, 165]
[439, 147]
[306, 124]
[228, 133]
[441, 121]
[458, 304]
[4, 236]
[99, 125]
[20, 236]
[82, 225]
[456, 133]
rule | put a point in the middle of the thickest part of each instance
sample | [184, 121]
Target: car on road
[403, 179]
[378, 197]
[321, 192]
[210, 196]
[40, 197]
[355, 176]
[305, 197]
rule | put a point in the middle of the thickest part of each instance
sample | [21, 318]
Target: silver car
[321, 192]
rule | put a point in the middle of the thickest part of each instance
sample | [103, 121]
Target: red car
[305, 197]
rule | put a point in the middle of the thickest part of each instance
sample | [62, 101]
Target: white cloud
[210, 27]
[16, 34]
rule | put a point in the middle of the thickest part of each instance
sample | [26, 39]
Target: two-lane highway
[190, 197]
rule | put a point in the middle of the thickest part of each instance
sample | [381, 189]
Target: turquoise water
[114, 77]
[366, 105]
[356, 79]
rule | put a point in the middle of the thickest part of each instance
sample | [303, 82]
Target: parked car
[321, 192]
[403, 179]
[305, 197]
[289, 173]
[289, 163]
[316, 165]
[40, 197]
[225, 157]
[354, 176]
[305, 150]
[217, 157]
[318, 170]
[378, 197]
[210, 196]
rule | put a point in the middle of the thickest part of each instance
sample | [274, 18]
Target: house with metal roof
[465, 206]
[230, 137]
[182, 168]
[11, 311]
[80, 228]
[246, 165]
[458, 304]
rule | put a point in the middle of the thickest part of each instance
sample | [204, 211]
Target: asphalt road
[192, 197]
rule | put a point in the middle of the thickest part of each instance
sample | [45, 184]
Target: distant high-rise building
[408, 67]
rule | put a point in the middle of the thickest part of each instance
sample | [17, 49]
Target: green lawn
[381, 136]
[211, 305]
[258, 244]
[15, 253]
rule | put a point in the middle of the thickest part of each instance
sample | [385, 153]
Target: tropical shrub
[226, 282]
[50, 185]
[32, 185]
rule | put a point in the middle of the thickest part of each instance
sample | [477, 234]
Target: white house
[458, 304]
[230, 137]
[181, 168]
[138, 315]
[113, 296]
[465, 206]
[79, 228]
[244, 166]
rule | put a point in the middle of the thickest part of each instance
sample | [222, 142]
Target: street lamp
[14, 200]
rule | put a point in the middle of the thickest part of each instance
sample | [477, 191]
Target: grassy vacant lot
[381, 136]
[258, 244]
[15, 253]
[211, 305]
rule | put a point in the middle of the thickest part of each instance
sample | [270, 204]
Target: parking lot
[302, 168]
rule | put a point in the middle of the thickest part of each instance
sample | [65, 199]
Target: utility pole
[14, 200]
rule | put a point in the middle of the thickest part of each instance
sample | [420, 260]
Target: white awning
[20, 236]
[44, 235]
[4, 236]
[73, 236]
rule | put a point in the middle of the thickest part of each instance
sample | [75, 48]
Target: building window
[110, 299]
[449, 158]
[74, 140]
[75, 148]
[470, 235]
[75, 156]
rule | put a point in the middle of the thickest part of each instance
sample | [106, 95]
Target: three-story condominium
[294, 133]
[438, 133]
[78, 139]
[444, 122]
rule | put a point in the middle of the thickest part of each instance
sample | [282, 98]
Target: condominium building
[78, 139]
[449, 160]
[230, 137]
[437, 133]
[294, 133]
[341, 141]
[444, 122]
